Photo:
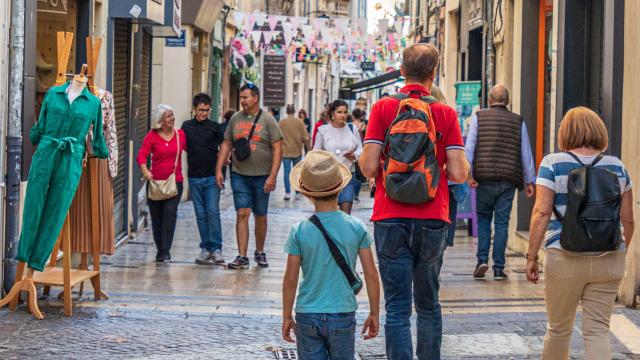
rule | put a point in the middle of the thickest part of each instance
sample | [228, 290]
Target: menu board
[274, 81]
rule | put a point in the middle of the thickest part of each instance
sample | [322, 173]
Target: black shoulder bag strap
[253, 127]
[335, 252]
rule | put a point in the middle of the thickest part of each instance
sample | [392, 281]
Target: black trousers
[164, 214]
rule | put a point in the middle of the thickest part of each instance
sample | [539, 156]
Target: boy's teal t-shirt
[324, 288]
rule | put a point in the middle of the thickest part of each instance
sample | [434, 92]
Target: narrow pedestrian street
[183, 310]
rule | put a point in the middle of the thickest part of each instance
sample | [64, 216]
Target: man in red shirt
[411, 239]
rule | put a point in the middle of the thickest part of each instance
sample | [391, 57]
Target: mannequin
[78, 84]
[57, 165]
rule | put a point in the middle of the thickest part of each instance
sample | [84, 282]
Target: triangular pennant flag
[398, 26]
[239, 18]
[255, 36]
[342, 25]
[307, 30]
[250, 22]
[273, 21]
[383, 25]
[308, 40]
[287, 30]
[261, 19]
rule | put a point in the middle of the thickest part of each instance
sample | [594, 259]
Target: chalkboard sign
[274, 80]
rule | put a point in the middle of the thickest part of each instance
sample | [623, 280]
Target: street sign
[177, 42]
[274, 80]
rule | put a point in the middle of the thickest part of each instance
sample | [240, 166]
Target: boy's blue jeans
[324, 336]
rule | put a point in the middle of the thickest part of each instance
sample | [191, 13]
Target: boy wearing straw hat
[326, 248]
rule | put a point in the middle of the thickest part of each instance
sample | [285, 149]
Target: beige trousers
[592, 281]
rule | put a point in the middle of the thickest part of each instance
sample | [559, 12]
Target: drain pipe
[14, 141]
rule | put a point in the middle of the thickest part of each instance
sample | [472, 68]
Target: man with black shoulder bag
[254, 140]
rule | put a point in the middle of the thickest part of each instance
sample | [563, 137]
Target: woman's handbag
[165, 189]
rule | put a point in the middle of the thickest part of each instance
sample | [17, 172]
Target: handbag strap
[175, 165]
[335, 252]
[253, 127]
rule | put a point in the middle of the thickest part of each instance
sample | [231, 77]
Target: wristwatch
[532, 257]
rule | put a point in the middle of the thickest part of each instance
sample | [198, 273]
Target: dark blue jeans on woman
[410, 257]
[326, 336]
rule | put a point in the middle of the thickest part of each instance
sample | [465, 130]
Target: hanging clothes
[56, 169]
[110, 129]
[80, 212]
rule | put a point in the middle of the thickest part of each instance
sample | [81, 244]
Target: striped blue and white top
[553, 174]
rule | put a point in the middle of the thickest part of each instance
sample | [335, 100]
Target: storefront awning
[348, 92]
[139, 11]
[202, 14]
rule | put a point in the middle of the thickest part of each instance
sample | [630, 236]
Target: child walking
[326, 247]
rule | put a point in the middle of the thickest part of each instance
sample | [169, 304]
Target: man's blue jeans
[206, 203]
[494, 197]
[326, 336]
[289, 163]
[410, 257]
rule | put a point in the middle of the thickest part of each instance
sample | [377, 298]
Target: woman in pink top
[163, 143]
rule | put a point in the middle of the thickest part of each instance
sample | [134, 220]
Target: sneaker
[217, 257]
[499, 275]
[481, 269]
[241, 262]
[298, 196]
[205, 258]
[261, 259]
[287, 196]
[356, 199]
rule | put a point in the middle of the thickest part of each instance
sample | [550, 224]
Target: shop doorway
[474, 56]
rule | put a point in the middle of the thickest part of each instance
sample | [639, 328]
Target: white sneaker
[218, 259]
[298, 196]
[287, 196]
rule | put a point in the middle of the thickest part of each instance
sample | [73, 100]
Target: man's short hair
[291, 109]
[419, 61]
[250, 86]
[499, 94]
[201, 98]
[358, 114]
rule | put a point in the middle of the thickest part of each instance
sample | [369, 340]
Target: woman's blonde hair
[582, 127]
[162, 110]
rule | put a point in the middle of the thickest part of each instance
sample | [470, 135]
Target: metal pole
[14, 140]
[489, 47]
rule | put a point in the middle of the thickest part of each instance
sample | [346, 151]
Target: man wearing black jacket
[203, 140]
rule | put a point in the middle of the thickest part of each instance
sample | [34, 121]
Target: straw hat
[320, 174]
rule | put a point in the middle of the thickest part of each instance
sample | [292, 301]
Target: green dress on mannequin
[56, 168]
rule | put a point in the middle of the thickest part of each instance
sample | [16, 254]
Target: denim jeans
[495, 197]
[453, 214]
[326, 336]
[206, 203]
[410, 257]
[289, 163]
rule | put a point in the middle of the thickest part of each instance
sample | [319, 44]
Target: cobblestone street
[182, 310]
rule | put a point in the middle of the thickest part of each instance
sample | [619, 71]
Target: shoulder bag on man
[354, 280]
[591, 222]
[242, 146]
[165, 189]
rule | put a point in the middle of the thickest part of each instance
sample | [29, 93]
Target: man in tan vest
[295, 138]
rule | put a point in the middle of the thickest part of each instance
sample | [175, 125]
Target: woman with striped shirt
[591, 279]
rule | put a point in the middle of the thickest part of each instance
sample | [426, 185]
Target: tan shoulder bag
[165, 189]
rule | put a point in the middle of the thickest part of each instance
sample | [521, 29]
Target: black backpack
[592, 219]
